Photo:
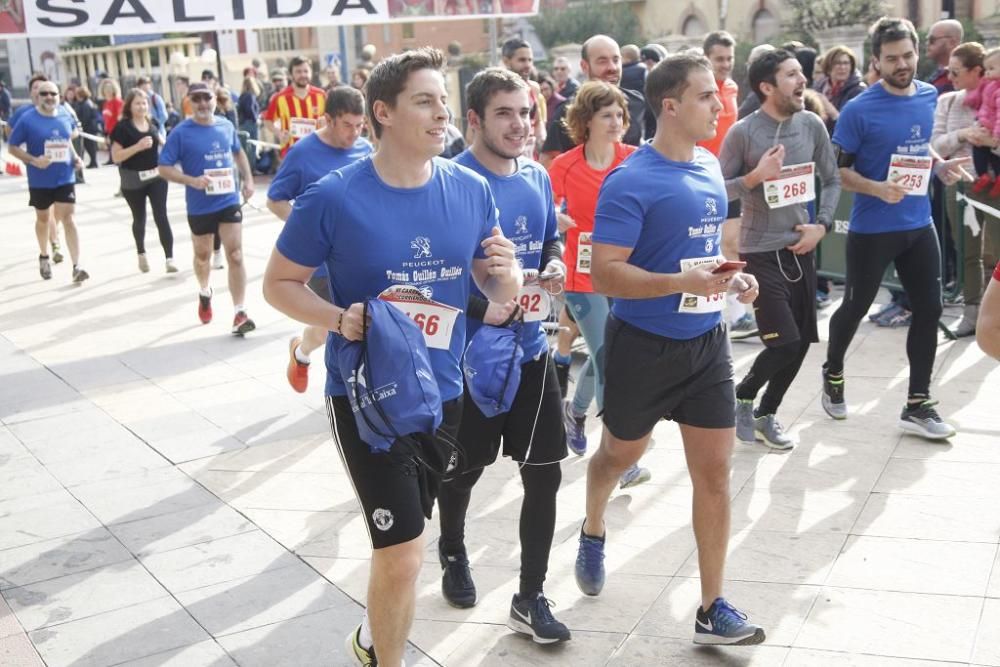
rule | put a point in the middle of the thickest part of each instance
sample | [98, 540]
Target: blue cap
[492, 368]
[389, 379]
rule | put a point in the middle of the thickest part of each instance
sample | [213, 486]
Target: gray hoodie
[805, 140]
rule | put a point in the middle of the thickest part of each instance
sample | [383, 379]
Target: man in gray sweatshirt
[770, 161]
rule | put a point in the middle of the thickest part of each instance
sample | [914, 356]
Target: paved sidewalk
[166, 499]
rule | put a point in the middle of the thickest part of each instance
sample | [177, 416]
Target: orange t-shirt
[286, 105]
[728, 93]
[576, 182]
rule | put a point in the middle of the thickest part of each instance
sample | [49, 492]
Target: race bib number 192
[535, 302]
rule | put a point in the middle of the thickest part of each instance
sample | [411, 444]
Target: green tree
[577, 22]
[811, 16]
[86, 41]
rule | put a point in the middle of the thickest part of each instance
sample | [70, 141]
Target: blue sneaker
[725, 624]
[634, 476]
[590, 564]
[576, 434]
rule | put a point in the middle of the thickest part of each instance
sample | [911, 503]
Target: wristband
[340, 323]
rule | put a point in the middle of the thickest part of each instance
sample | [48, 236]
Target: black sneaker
[457, 586]
[833, 396]
[531, 616]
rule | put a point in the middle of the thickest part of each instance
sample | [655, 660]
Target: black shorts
[650, 377]
[321, 286]
[786, 307]
[394, 498]
[735, 209]
[43, 198]
[532, 432]
[208, 223]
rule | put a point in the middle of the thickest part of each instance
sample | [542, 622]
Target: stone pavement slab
[166, 499]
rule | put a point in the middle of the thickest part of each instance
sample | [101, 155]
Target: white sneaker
[171, 267]
[217, 260]
[143, 263]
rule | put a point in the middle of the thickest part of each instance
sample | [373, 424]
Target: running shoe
[576, 430]
[205, 307]
[833, 396]
[725, 624]
[532, 616]
[79, 275]
[744, 421]
[171, 267]
[887, 312]
[923, 420]
[590, 564]
[772, 432]
[745, 327]
[297, 372]
[901, 319]
[995, 190]
[57, 257]
[634, 476]
[143, 263]
[217, 260]
[457, 586]
[364, 656]
[44, 268]
[822, 300]
[242, 324]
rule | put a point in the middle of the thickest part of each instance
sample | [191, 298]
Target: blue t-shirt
[528, 219]
[372, 236]
[197, 148]
[308, 161]
[872, 127]
[35, 130]
[665, 211]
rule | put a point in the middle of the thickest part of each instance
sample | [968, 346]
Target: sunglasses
[48, 93]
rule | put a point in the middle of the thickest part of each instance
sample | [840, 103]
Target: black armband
[551, 250]
[845, 160]
[477, 307]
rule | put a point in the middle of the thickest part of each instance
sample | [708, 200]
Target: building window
[408, 31]
[693, 27]
[276, 39]
[765, 26]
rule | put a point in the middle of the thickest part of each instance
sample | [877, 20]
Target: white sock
[205, 292]
[301, 356]
[365, 636]
[239, 308]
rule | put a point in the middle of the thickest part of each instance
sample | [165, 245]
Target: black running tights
[918, 264]
[538, 518]
[777, 367]
[156, 191]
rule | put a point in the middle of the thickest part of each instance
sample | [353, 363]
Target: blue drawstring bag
[492, 367]
[389, 379]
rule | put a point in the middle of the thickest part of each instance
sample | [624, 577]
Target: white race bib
[535, 301]
[221, 181]
[57, 150]
[584, 252]
[148, 174]
[699, 305]
[301, 127]
[435, 320]
[795, 185]
[912, 172]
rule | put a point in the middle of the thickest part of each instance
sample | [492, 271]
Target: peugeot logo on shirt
[711, 207]
[422, 245]
[521, 225]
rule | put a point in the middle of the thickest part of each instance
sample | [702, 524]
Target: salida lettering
[61, 13]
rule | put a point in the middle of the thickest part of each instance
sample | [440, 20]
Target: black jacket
[634, 77]
[89, 116]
